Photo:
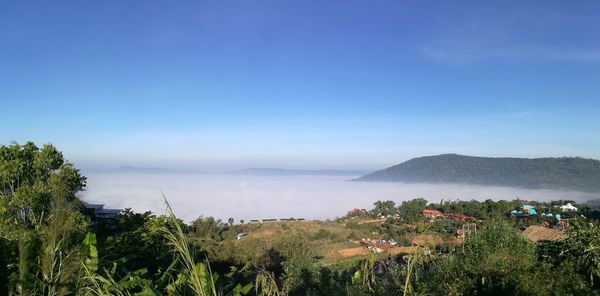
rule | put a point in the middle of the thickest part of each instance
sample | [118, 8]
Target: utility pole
[469, 229]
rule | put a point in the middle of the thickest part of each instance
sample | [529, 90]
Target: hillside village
[390, 234]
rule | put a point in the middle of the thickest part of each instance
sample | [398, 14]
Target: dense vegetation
[553, 173]
[49, 245]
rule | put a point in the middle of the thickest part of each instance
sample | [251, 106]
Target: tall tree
[384, 208]
[411, 209]
[39, 217]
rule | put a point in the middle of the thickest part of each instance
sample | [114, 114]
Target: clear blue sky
[300, 84]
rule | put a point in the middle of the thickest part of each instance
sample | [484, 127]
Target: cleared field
[352, 252]
[331, 239]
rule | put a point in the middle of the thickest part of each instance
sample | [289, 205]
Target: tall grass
[99, 285]
[195, 277]
[199, 276]
[266, 285]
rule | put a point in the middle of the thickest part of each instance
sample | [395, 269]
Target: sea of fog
[262, 197]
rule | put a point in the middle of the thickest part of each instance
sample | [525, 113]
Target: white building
[568, 208]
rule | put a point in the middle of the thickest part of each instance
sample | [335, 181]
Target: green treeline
[50, 246]
[553, 173]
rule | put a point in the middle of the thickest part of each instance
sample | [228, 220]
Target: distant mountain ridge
[290, 172]
[127, 169]
[145, 170]
[574, 173]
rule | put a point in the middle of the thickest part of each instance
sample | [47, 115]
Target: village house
[563, 224]
[357, 212]
[525, 211]
[529, 210]
[568, 208]
[99, 213]
[432, 213]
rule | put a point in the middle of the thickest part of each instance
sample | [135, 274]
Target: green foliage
[110, 283]
[365, 275]
[60, 243]
[90, 252]
[546, 279]
[582, 247]
[39, 217]
[207, 228]
[323, 234]
[197, 276]
[139, 238]
[411, 210]
[384, 208]
[240, 290]
[498, 260]
[266, 284]
[31, 180]
[498, 248]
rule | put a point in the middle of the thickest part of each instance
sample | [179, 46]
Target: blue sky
[300, 84]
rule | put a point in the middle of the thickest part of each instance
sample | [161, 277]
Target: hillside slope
[552, 173]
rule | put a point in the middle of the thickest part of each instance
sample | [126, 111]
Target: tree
[384, 208]
[27, 177]
[139, 238]
[583, 248]
[495, 262]
[39, 218]
[208, 228]
[411, 209]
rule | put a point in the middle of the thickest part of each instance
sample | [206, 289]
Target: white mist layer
[262, 197]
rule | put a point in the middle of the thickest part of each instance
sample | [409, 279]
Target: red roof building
[563, 223]
[432, 213]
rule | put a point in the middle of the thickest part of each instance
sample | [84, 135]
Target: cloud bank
[261, 197]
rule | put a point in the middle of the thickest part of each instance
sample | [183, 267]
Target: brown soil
[536, 233]
[352, 252]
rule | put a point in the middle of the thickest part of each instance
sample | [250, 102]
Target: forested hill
[552, 173]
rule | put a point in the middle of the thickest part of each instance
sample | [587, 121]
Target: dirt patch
[352, 252]
[536, 233]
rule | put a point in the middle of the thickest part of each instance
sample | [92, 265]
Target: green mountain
[549, 173]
